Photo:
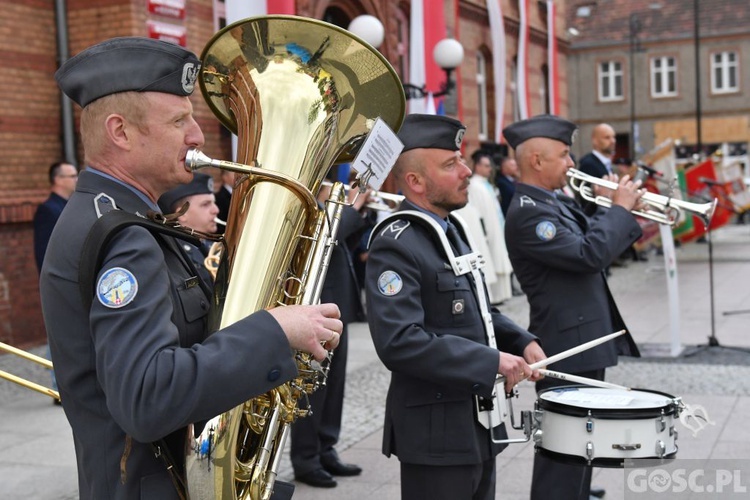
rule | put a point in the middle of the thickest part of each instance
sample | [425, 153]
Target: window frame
[482, 96]
[613, 74]
[662, 74]
[726, 67]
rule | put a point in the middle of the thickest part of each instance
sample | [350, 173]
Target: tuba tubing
[300, 94]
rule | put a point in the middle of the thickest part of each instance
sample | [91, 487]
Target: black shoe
[338, 468]
[318, 478]
[597, 492]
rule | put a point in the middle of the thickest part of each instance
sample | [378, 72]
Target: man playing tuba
[134, 361]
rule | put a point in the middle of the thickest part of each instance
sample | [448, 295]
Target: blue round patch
[116, 288]
[546, 230]
[390, 283]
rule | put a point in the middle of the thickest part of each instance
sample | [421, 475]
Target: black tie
[455, 238]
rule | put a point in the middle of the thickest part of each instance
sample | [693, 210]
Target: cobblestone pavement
[37, 461]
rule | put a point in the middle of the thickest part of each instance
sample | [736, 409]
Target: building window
[610, 81]
[220, 15]
[482, 94]
[724, 72]
[402, 44]
[663, 77]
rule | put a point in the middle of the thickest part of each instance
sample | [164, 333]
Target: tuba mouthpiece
[195, 159]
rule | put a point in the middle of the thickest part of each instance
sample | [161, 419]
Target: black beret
[128, 64]
[549, 126]
[201, 184]
[431, 132]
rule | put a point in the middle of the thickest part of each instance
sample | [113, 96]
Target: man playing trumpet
[559, 255]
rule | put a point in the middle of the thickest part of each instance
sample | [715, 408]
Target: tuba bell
[300, 94]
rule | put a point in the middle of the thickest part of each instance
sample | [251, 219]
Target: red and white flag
[240, 9]
[553, 75]
[427, 28]
[522, 71]
[497, 35]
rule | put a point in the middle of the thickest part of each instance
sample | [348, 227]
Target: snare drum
[603, 427]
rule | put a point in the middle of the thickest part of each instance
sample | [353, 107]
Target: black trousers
[314, 437]
[553, 480]
[449, 482]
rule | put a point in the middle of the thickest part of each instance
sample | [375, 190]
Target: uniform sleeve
[396, 316]
[152, 385]
[510, 337]
[540, 235]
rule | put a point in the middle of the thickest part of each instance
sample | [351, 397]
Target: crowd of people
[127, 304]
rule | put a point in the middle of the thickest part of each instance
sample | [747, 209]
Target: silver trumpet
[395, 199]
[660, 208]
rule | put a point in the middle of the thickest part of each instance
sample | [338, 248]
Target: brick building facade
[31, 129]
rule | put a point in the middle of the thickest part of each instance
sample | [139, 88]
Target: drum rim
[606, 413]
[604, 462]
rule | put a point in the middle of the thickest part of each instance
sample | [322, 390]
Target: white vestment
[491, 230]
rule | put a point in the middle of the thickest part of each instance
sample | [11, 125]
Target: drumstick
[582, 380]
[572, 351]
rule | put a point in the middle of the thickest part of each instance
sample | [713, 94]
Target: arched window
[544, 90]
[482, 102]
[514, 89]
[402, 46]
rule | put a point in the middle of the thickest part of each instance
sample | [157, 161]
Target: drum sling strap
[490, 412]
[92, 257]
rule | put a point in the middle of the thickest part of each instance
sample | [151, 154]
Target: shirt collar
[411, 206]
[153, 206]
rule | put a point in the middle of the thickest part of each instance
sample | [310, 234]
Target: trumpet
[660, 208]
[383, 195]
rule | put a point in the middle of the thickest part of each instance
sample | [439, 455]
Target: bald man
[599, 161]
[559, 255]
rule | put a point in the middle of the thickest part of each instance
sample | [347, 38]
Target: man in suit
[598, 162]
[433, 329]
[506, 180]
[313, 453]
[62, 179]
[200, 216]
[135, 362]
[559, 255]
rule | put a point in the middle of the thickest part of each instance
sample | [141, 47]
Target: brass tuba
[300, 94]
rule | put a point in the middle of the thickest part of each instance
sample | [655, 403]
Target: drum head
[606, 403]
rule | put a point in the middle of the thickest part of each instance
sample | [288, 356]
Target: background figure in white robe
[483, 200]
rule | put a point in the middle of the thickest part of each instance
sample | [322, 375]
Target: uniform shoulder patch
[545, 230]
[116, 288]
[390, 283]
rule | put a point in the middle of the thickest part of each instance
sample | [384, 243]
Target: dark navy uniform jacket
[45, 218]
[427, 329]
[146, 368]
[559, 256]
